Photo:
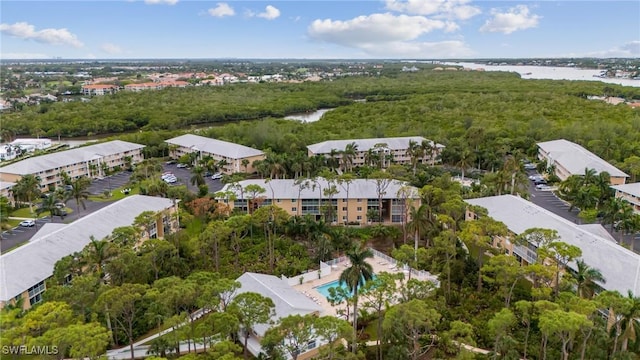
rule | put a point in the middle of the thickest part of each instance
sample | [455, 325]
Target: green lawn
[25, 213]
[117, 194]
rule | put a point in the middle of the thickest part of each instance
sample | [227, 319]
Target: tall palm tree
[629, 321]
[429, 148]
[466, 159]
[355, 276]
[349, 154]
[197, 178]
[418, 225]
[28, 189]
[415, 152]
[586, 278]
[50, 204]
[79, 191]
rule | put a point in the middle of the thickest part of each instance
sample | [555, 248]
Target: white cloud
[516, 18]
[27, 31]
[453, 9]
[628, 50]
[111, 48]
[270, 13]
[388, 35]
[405, 49]
[375, 28]
[24, 56]
[222, 10]
[158, 2]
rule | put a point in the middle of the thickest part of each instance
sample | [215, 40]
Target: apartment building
[91, 161]
[230, 157]
[99, 90]
[393, 150]
[25, 269]
[569, 158]
[155, 85]
[351, 203]
[6, 190]
[629, 193]
[618, 265]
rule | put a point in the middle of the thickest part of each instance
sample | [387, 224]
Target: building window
[359, 218]
[311, 344]
[344, 208]
[278, 200]
[359, 208]
[359, 200]
[294, 209]
[35, 293]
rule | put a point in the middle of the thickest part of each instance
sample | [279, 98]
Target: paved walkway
[140, 350]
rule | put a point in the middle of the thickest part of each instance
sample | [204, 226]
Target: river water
[308, 117]
[550, 72]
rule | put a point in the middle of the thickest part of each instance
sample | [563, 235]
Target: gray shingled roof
[33, 262]
[213, 146]
[63, 158]
[619, 266]
[287, 189]
[393, 143]
[575, 158]
[286, 299]
[633, 188]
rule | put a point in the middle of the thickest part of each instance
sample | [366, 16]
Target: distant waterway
[308, 117]
[550, 72]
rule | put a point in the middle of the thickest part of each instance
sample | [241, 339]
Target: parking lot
[19, 235]
[110, 182]
[184, 178]
[550, 201]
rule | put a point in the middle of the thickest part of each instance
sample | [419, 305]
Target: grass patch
[117, 194]
[9, 224]
[26, 213]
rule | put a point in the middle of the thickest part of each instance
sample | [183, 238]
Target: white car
[216, 176]
[182, 166]
[167, 175]
[170, 179]
[28, 223]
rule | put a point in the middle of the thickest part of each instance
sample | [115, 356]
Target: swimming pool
[324, 289]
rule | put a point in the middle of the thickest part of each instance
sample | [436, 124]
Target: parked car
[170, 162]
[59, 212]
[182, 166]
[60, 205]
[216, 176]
[28, 223]
[543, 187]
[529, 166]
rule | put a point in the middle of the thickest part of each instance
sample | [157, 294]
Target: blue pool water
[324, 289]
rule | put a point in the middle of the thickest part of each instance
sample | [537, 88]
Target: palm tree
[79, 192]
[28, 189]
[349, 154]
[630, 323]
[355, 276]
[245, 164]
[429, 148]
[415, 152]
[586, 278]
[418, 225]
[197, 178]
[50, 204]
[466, 159]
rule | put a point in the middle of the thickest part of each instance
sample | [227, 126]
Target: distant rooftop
[619, 266]
[393, 143]
[575, 158]
[33, 262]
[288, 189]
[632, 188]
[68, 157]
[213, 146]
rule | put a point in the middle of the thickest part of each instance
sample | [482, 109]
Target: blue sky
[365, 29]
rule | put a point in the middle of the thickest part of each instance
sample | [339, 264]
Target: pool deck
[378, 264]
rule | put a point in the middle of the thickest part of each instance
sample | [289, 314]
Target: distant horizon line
[312, 59]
